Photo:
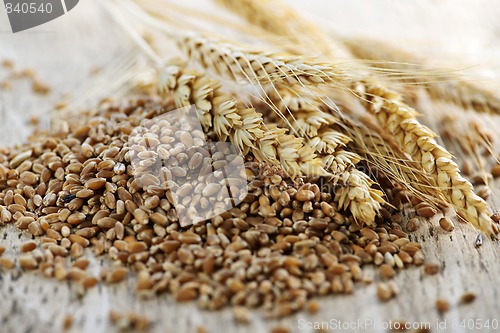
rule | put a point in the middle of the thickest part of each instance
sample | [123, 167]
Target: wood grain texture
[31, 303]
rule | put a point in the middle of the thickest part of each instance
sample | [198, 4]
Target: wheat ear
[383, 154]
[241, 125]
[355, 192]
[418, 141]
[440, 86]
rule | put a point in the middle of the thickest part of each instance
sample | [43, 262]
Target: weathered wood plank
[32, 303]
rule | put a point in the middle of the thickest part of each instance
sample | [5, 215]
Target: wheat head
[356, 192]
[243, 126]
[418, 141]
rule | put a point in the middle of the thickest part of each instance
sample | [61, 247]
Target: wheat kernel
[304, 195]
[27, 261]
[386, 271]
[426, 211]
[431, 269]
[67, 322]
[28, 246]
[442, 305]
[446, 224]
[467, 298]
[116, 275]
[241, 315]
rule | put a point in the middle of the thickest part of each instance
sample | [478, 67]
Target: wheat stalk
[241, 125]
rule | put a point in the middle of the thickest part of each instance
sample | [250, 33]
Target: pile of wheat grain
[80, 194]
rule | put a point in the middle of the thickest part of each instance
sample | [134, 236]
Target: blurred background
[81, 53]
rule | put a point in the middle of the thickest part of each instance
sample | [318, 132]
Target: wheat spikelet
[439, 86]
[243, 126]
[418, 141]
[356, 192]
[328, 140]
[303, 106]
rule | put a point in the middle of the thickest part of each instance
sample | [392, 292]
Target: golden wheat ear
[418, 141]
[243, 126]
[308, 115]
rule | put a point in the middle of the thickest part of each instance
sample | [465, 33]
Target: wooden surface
[32, 303]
